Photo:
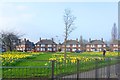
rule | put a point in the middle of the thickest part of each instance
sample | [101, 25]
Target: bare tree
[69, 26]
[114, 32]
[9, 40]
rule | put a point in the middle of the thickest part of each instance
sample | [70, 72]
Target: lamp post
[58, 41]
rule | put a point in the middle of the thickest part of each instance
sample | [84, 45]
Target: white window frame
[54, 49]
[74, 45]
[49, 45]
[79, 45]
[42, 45]
[99, 45]
[115, 45]
[38, 49]
[42, 49]
[88, 49]
[67, 49]
[104, 45]
[67, 45]
[49, 49]
[93, 45]
[54, 45]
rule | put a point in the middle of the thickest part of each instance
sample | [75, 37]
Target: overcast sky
[45, 19]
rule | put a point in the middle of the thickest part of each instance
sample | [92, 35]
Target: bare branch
[69, 22]
[9, 39]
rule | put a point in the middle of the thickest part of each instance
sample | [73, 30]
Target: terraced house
[96, 45]
[115, 45]
[46, 45]
[25, 45]
[71, 45]
[3, 48]
[0, 47]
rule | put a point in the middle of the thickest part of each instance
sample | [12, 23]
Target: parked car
[78, 51]
[116, 50]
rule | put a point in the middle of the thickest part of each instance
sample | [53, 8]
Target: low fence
[44, 69]
[109, 68]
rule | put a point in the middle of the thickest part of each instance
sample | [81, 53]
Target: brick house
[71, 45]
[0, 47]
[3, 48]
[46, 45]
[25, 45]
[96, 45]
[115, 45]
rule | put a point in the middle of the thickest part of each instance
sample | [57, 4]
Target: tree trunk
[65, 51]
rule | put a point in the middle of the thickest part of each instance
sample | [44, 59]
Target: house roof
[71, 42]
[115, 42]
[26, 42]
[46, 41]
[96, 42]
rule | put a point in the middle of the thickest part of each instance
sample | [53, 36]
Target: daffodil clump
[9, 58]
[108, 54]
[73, 59]
[83, 57]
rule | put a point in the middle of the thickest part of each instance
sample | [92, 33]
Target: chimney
[40, 38]
[89, 39]
[52, 39]
[76, 39]
[25, 39]
[101, 39]
[28, 40]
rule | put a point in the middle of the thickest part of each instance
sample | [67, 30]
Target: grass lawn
[37, 65]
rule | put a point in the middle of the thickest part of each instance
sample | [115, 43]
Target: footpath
[112, 71]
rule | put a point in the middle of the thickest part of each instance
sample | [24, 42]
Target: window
[87, 49]
[67, 49]
[54, 49]
[99, 49]
[67, 45]
[73, 49]
[115, 49]
[38, 49]
[54, 45]
[17, 48]
[78, 45]
[115, 45]
[91, 49]
[99, 45]
[49, 45]
[92, 45]
[42, 49]
[42, 45]
[21, 49]
[88, 46]
[49, 49]
[74, 45]
[104, 45]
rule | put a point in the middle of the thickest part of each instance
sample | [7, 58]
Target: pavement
[112, 71]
